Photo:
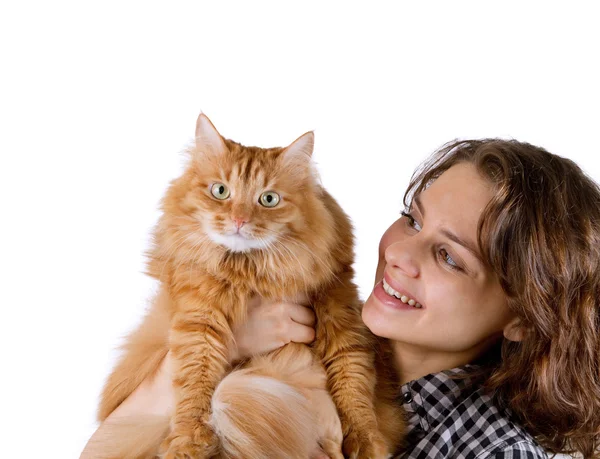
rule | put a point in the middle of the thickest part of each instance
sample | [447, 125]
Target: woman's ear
[515, 330]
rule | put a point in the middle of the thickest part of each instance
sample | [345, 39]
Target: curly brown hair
[540, 234]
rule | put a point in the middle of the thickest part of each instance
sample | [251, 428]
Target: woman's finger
[319, 454]
[254, 302]
[302, 314]
[299, 333]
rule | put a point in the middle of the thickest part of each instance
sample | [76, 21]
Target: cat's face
[247, 198]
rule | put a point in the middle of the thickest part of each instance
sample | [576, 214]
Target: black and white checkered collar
[428, 400]
[450, 416]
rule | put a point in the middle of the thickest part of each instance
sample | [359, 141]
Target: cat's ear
[208, 139]
[301, 149]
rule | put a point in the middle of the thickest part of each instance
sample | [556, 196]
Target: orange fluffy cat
[243, 222]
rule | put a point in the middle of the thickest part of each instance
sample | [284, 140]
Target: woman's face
[430, 259]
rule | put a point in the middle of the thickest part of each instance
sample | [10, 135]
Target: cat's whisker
[193, 248]
[300, 267]
[167, 258]
[177, 243]
[185, 256]
[269, 253]
[285, 240]
[171, 249]
[311, 253]
[267, 258]
[184, 234]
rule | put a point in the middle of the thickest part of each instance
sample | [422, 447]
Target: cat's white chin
[238, 243]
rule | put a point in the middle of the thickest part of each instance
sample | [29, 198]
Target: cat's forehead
[252, 164]
[237, 150]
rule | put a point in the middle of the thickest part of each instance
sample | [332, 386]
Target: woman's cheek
[380, 269]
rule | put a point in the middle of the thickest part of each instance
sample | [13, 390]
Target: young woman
[488, 289]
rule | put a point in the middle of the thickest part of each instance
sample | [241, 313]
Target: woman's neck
[413, 362]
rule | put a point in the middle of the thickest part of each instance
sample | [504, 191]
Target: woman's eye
[220, 191]
[445, 256]
[269, 199]
[411, 221]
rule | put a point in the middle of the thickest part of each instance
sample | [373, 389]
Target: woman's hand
[270, 325]
[153, 397]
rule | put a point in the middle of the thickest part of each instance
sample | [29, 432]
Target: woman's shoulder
[500, 436]
[454, 418]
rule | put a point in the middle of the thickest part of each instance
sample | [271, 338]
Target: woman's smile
[391, 294]
[392, 288]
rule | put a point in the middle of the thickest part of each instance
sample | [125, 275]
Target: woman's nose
[400, 256]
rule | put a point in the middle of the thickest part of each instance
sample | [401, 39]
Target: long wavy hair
[540, 234]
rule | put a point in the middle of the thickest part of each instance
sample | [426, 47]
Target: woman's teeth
[390, 291]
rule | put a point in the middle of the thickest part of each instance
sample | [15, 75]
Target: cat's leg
[144, 351]
[391, 418]
[200, 339]
[346, 348]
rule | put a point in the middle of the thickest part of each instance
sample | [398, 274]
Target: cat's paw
[198, 443]
[328, 449]
[365, 445]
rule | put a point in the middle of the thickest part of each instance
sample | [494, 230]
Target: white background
[98, 99]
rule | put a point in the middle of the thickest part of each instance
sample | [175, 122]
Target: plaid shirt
[453, 418]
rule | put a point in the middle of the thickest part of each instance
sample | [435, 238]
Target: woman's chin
[375, 320]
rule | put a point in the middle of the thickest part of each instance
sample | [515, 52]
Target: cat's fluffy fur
[278, 405]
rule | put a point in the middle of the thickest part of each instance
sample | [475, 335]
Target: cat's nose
[239, 222]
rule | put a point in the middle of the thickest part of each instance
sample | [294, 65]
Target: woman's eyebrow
[467, 244]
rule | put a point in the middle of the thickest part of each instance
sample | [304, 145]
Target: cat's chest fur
[232, 288]
[246, 275]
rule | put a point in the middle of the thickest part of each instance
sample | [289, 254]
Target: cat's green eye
[269, 199]
[220, 191]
